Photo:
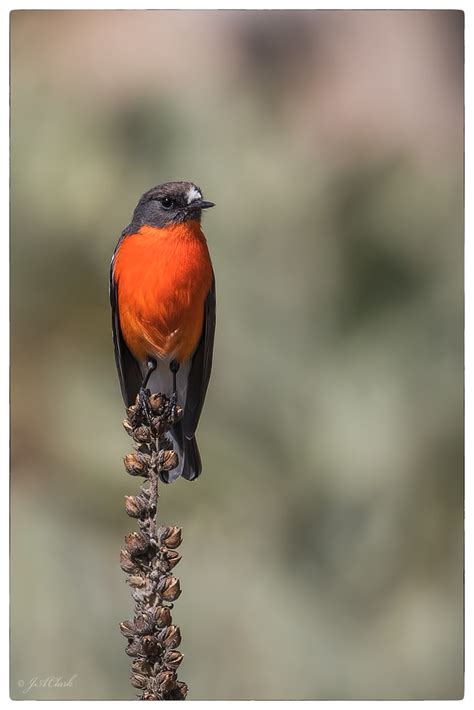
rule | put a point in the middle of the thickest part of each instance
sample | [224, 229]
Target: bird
[163, 300]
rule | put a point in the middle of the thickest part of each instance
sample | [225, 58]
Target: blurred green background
[323, 544]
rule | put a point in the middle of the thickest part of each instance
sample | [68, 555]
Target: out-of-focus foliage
[323, 550]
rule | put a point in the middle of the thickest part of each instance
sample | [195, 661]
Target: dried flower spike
[149, 556]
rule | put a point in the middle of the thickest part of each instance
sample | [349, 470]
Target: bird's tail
[192, 460]
[189, 461]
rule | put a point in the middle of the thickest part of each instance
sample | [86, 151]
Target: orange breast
[163, 277]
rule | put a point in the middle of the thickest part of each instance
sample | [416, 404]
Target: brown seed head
[150, 644]
[170, 558]
[166, 681]
[132, 411]
[172, 659]
[131, 506]
[169, 589]
[168, 460]
[134, 648]
[128, 427]
[142, 434]
[182, 688]
[148, 695]
[170, 637]
[137, 543]
[126, 562]
[140, 665]
[161, 616]
[170, 536]
[144, 624]
[160, 426]
[138, 680]
[127, 629]
[134, 466]
[137, 581]
[156, 402]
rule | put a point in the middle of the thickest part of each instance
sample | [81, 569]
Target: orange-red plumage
[163, 277]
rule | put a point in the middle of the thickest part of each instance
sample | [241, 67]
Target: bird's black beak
[194, 208]
[203, 204]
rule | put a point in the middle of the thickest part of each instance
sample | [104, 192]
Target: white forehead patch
[193, 194]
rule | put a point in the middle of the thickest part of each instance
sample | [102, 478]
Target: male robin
[162, 293]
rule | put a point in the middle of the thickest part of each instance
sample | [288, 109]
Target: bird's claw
[173, 403]
[144, 404]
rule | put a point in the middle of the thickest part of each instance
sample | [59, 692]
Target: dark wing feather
[200, 371]
[127, 367]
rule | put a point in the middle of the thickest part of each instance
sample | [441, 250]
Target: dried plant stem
[150, 555]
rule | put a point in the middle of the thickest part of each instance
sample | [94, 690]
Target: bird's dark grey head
[170, 203]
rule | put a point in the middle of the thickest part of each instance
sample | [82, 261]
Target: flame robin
[162, 293]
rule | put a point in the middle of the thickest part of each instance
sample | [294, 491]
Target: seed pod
[134, 466]
[179, 692]
[144, 623]
[138, 680]
[131, 506]
[137, 581]
[127, 629]
[156, 402]
[148, 695]
[170, 558]
[172, 659]
[182, 688]
[150, 644]
[166, 680]
[170, 637]
[126, 562]
[160, 426]
[137, 543]
[141, 666]
[170, 537]
[168, 460]
[169, 589]
[134, 648]
[161, 616]
[128, 427]
[141, 595]
[132, 410]
[142, 434]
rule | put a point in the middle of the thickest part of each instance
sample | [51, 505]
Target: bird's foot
[174, 408]
[144, 404]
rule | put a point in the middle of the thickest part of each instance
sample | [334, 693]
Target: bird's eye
[167, 203]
